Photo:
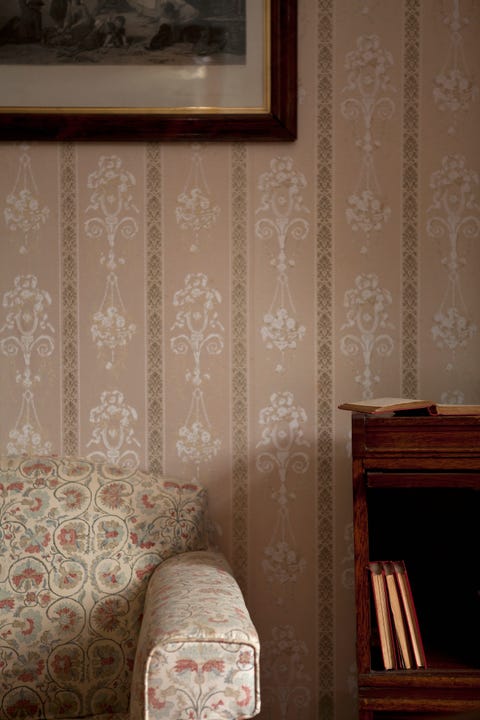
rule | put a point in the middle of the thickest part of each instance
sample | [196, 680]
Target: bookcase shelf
[416, 498]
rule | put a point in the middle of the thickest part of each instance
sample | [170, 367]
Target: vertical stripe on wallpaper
[410, 200]
[324, 329]
[239, 364]
[154, 304]
[69, 298]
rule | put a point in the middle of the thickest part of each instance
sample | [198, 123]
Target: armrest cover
[198, 650]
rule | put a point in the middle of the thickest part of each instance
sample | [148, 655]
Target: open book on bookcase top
[376, 406]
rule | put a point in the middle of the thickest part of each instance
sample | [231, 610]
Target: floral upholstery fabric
[198, 654]
[78, 544]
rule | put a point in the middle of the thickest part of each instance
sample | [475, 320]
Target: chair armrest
[198, 650]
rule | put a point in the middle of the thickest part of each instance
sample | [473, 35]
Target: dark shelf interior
[436, 531]
[437, 715]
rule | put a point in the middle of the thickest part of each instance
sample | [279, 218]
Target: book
[386, 405]
[455, 409]
[410, 613]
[382, 612]
[375, 406]
[401, 630]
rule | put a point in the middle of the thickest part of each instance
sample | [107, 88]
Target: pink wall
[341, 266]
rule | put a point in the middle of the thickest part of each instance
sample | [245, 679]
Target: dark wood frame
[279, 124]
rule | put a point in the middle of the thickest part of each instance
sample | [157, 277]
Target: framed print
[148, 70]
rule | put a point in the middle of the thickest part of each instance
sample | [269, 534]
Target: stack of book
[398, 628]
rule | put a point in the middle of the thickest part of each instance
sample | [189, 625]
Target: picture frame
[273, 119]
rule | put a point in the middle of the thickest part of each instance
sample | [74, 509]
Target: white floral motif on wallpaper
[27, 332]
[452, 397]
[368, 105]
[114, 431]
[454, 89]
[282, 203]
[198, 331]
[282, 434]
[112, 203]
[195, 211]
[454, 215]
[285, 684]
[23, 212]
[367, 324]
[366, 6]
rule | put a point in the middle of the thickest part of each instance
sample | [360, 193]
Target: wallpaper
[202, 309]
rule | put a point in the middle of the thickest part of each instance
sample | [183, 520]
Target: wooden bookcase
[416, 497]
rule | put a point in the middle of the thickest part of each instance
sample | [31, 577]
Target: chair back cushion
[78, 543]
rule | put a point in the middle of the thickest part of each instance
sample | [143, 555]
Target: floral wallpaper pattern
[28, 333]
[368, 104]
[453, 220]
[201, 309]
[197, 331]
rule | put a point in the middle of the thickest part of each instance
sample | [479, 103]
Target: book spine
[382, 615]
[410, 613]
[402, 634]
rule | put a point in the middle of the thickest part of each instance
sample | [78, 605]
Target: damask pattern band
[154, 264]
[324, 383]
[410, 201]
[69, 299]
[239, 364]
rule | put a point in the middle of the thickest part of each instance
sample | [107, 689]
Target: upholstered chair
[112, 603]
